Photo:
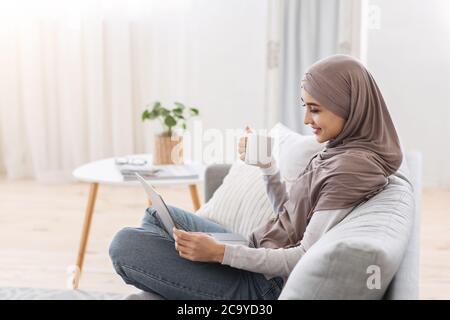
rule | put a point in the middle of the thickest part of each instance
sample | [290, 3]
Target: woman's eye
[314, 111]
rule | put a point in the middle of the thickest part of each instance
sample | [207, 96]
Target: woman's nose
[308, 118]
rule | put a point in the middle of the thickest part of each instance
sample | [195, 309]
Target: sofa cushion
[358, 258]
[240, 203]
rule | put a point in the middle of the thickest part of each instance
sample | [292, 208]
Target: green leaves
[170, 118]
[179, 105]
[170, 121]
[156, 105]
[150, 115]
[145, 115]
[194, 112]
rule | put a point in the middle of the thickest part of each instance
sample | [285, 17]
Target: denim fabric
[146, 258]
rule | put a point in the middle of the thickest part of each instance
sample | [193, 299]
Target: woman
[345, 109]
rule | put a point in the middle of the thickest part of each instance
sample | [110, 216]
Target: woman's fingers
[183, 239]
[182, 247]
[184, 251]
[242, 147]
[181, 234]
[242, 142]
[184, 243]
[185, 235]
[185, 255]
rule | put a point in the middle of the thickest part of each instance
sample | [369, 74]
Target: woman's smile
[325, 124]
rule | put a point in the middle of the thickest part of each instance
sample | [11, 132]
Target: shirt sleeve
[270, 170]
[280, 262]
[275, 188]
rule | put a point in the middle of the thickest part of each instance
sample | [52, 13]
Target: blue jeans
[146, 258]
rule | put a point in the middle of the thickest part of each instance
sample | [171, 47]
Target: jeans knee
[122, 245]
[150, 216]
[150, 211]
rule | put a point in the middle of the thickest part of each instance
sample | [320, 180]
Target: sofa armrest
[214, 176]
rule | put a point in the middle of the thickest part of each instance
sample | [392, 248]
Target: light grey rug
[52, 294]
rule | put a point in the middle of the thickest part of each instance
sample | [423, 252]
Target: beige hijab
[353, 167]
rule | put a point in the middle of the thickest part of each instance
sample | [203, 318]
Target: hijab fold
[354, 166]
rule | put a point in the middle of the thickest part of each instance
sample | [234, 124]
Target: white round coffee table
[105, 172]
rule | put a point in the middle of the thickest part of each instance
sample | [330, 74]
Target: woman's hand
[198, 246]
[243, 144]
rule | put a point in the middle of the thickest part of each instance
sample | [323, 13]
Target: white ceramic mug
[258, 149]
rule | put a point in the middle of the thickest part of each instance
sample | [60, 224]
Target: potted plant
[168, 140]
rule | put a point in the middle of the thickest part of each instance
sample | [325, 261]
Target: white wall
[227, 61]
[409, 57]
[212, 54]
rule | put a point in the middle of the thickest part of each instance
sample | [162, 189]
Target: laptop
[166, 219]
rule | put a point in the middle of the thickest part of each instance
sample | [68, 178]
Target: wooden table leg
[194, 196]
[85, 234]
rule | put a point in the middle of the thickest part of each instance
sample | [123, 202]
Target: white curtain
[76, 75]
[312, 30]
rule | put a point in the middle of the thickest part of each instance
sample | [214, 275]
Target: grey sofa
[391, 241]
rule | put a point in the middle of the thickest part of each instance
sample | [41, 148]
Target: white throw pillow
[292, 151]
[241, 203]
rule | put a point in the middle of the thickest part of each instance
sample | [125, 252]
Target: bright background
[77, 74]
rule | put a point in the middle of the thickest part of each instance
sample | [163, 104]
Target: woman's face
[326, 125]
